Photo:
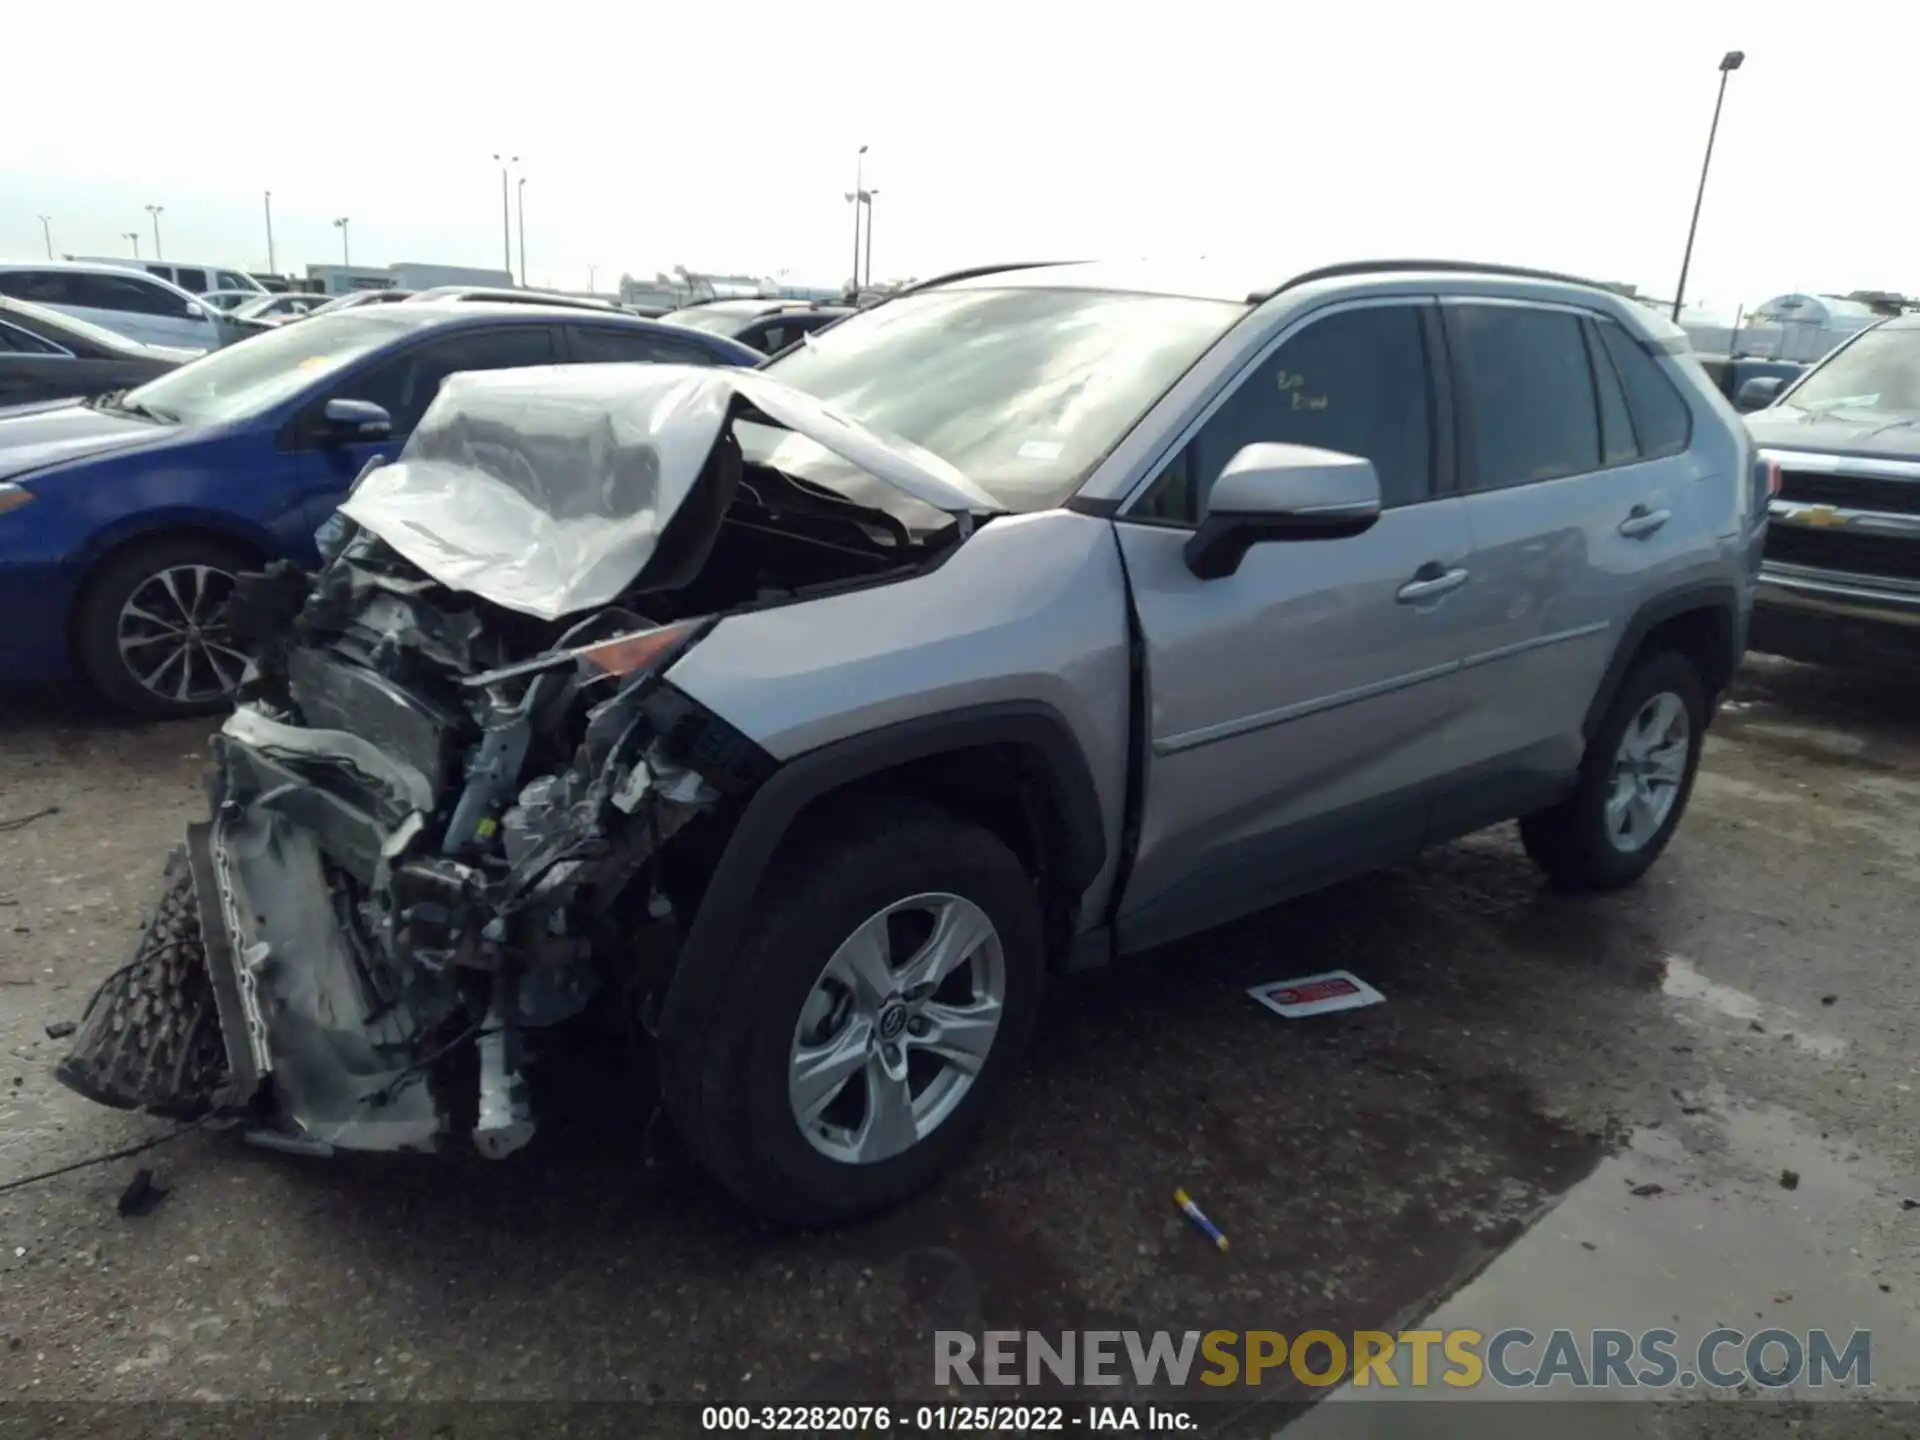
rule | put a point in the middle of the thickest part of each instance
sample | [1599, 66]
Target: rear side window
[125, 295]
[606, 345]
[16, 341]
[194, 280]
[1617, 445]
[1527, 394]
[43, 287]
[1355, 381]
[1661, 422]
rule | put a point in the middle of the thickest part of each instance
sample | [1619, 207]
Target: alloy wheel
[896, 1028]
[1649, 768]
[172, 633]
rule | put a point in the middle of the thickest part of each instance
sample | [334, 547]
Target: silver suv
[810, 716]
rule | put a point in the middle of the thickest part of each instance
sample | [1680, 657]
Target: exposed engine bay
[458, 802]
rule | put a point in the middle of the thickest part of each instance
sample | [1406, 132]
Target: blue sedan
[124, 518]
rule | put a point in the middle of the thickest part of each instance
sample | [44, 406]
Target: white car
[128, 302]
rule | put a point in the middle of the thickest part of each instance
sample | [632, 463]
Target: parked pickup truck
[1840, 583]
[810, 715]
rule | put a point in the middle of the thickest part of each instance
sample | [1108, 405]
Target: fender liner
[1717, 597]
[699, 979]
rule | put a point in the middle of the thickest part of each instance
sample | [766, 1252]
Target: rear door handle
[1642, 522]
[1430, 582]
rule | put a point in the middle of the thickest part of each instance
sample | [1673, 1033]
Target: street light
[869, 199]
[506, 234]
[154, 211]
[1729, 62]
[859, 189]
[46, 229]
[270, 269]
[134, 236]
[520, 194]
[346, 258]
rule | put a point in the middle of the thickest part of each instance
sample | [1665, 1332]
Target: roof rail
[974, 272]
[1458, 267]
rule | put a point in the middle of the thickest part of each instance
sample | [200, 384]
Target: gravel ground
[1538, 1055]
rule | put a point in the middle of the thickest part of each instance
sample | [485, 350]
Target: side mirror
[356, 420]
[1282, 492]
[196, 312]
[1758, 393]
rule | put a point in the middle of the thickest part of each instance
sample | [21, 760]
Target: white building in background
[406, 275]
[1802, 327]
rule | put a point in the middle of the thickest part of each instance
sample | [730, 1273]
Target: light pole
[869, 199]
[1729, 62]
[506, 234]
[591, 269]
[859, 189]
[270, 269]
[346, 256]
[520, 194]
[134, 236]
[46, 229]
[154, 211]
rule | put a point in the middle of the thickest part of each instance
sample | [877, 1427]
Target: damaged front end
[443, 809]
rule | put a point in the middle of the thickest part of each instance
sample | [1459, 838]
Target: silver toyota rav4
[811, 715]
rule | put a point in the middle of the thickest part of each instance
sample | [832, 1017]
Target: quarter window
[1355, 381]
[1528, 394]
[1661, 422]
[1617, 445]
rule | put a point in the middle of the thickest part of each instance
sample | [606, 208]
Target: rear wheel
[1634, 783]
[883, 992]
[150, 632]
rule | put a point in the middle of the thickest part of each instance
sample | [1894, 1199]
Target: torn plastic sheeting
[546, 490]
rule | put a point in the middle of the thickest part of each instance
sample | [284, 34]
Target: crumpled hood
[547, 490]
[1787, 427]
[33, 437]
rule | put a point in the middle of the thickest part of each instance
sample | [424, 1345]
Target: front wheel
[885, 989]
[1634, 783]
[150, 631]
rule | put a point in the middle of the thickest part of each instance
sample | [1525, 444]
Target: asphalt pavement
[1569, 1111]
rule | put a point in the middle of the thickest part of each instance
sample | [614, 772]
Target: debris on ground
[21, 821]
[1650, 1188]
[61, 1029]
[1789, 1179]
[1828, 999]
[141, 1195]
[1910, 1204]
[1194, 1213]
[1324, 994]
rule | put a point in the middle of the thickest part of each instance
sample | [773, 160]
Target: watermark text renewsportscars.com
[1770, 1359]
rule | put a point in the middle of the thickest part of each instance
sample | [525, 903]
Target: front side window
[406, 385]
[1527, 394]
[125, 295]
[194, 280]
[1023, 389]
[1354, 381]
[230, 281]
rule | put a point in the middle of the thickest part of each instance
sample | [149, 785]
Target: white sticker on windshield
[1040, 450]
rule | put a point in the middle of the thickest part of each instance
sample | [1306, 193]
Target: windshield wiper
[145, 411]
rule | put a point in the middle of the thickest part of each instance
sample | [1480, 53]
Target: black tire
[96, 621]
[724, 1074]
[1571, 841]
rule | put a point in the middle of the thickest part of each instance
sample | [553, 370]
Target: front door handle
[1642, 522]
[1430, 582]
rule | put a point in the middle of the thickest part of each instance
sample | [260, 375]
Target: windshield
[1876, 377]
[1023, 390]
[713, 321]
[260, 372]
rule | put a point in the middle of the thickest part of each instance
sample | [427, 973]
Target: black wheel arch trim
[1717, 597]
[698, 981]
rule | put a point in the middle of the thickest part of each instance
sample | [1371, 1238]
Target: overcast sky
[723, 138]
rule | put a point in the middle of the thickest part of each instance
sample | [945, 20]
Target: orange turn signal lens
[625, 654]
